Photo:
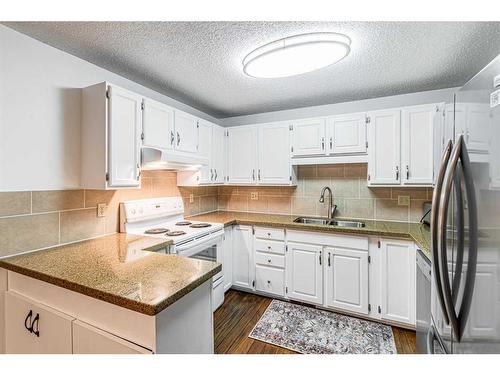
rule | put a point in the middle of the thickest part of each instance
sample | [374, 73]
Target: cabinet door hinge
[253, 230]
[366, 144]
[107, 176]
[286, 290]
[107, 94]
[142, 136]
[198, 124]
[368, 119]
[292, 148]
[369, 259]
[290, 178]
[378, 244]
[369, 307]
[290, 127]
[368, 177]
[253, 283]
[142, 106]
[286, 248]
[379, 310]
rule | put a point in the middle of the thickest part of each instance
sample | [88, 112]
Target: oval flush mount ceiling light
[296, 55]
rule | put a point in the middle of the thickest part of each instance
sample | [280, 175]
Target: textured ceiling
[199, 63]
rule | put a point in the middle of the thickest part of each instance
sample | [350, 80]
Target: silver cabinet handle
[178, 139]
[435, 212]
[407, 173]
[331, 143]
[397, 173]
[320, 261]
[458, 321]
[259, 174]
[253, 174]
[211, 174]
[329, 263]
[323, 143]
[215, 174]
[172, 137]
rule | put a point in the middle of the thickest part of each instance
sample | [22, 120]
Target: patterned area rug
[311, 331]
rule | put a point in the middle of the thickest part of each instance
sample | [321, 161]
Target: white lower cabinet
[304, 276]
[397, 279]
[270, 280]
[34, 328]
[227, 259]
[88, 339]
[243, 264]
[346, 279]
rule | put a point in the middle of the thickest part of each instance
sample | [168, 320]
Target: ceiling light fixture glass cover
[296, 55]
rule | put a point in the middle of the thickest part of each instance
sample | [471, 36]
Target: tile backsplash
[36, 219]
[31, 220]
[351, 195]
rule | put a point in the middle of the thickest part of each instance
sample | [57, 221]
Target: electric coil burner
[200, 225]
[156, 231]
[175, 233]
[183, 223]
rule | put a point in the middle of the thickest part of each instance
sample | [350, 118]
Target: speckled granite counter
[416, 232]
[120, 269]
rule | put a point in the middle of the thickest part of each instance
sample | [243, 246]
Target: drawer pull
[269, 281]
[30, 327]
[35, 321]
[269, 234]
[269, 247]
[269, 261]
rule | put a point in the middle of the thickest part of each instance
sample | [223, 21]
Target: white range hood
[155, 159]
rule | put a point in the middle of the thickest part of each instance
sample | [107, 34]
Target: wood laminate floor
[235, 319]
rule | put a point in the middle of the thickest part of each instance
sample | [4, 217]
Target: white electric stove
[164, 218]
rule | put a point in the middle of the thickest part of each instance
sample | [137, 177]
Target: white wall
[40, 112]
[425, 97]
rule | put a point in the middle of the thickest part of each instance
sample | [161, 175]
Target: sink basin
[336, 223]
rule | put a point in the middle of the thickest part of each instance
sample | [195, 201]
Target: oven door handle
[193, 247]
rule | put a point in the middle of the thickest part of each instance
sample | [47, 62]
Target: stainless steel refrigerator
[464, 270]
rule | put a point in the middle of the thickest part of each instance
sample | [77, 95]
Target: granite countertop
[413, 231]
[120, 268]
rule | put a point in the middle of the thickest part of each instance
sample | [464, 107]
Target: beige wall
[351, 195]
[35, 219]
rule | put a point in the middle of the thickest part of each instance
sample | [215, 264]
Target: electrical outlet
[254, 196]
[403, 200]
[101, 209]
[191, 198]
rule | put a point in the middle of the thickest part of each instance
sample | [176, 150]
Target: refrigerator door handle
[459, 262]
[434, 227]
[470, 277]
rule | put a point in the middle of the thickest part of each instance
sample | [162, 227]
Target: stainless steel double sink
[332, 222]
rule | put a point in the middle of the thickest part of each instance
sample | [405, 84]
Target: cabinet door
[125, 126]
[308, 137]
[384, 130]
[88, 339]
[242, 155]
[243, 265]
[347, 134]
[53, 327]
[205, 151]
[218, 154]
[186, 133]
[418, 145]
[346, 285]
[227, 261]
[397, 270]
[477, 133]
[274, 154]
[304, 265]
[158, 125]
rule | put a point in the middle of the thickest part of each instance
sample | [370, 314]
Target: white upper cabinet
[477, 132]
[110, 137]
[397, 270]
[304, 272]
[218, 159]
[346, 279]
[309, 137]
[384, 144]
[242, 155]
[274, 154]
[205, 151]
[347, 134]
[186, 133]
[417, 140]
[157, 125]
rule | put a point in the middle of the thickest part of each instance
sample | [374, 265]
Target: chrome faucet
[331, 207]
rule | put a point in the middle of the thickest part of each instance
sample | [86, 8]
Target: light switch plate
[101, 209]
[191, 198]
[403, 200]
[254, 196]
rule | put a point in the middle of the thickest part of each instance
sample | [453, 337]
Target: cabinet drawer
[270, 260]
[275, 247]
[270, 233]
[270, 280]
[53, 327]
